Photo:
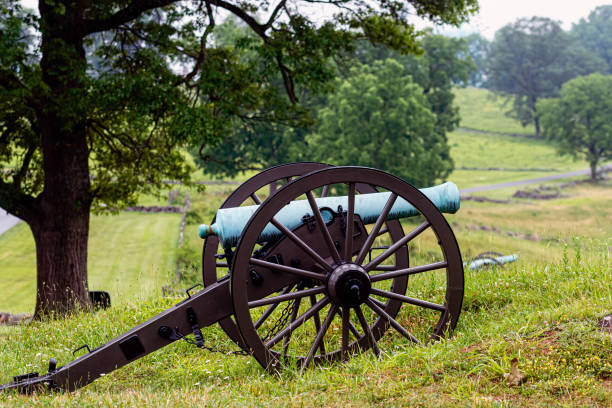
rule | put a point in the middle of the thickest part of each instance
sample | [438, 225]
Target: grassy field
[130, 255]
[515, 158]
[541, 310]
[481, 110]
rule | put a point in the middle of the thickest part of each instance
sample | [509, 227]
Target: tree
[77, 136]
[595, 33]
[530, 59]
[379, 117]
[478, 49]
[580, 120]
[443, 63]
[264, 136]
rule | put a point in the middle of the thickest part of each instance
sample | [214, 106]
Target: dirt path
[533, 180]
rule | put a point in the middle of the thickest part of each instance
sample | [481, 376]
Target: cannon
[491, 258]
[311, 274]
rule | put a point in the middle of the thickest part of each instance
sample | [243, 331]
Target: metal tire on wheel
[340, 279]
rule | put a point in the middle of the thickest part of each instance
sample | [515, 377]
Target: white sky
[496, 13]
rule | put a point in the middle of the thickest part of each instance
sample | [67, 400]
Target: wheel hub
[349, 285]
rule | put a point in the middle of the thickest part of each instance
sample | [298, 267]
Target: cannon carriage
[315, 272]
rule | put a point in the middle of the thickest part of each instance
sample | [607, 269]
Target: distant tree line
[532, 58]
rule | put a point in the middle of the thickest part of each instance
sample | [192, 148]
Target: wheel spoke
[346, 320]
[352, 327]
[350, 223]
[407, 271]
[381, 312]
[289, 269]
[298, 322]
[406, 299]
[393, 248]
[385, 268]
[255, 198]
[313, 254]
[288, 296]
[374, 233]
[324, 231]
[320, 334]
[294, 312]
[366, 329]
[382, 231]
[325, 190]
[317, 320]
[271, 309]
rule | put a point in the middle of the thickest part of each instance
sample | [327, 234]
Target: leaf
[515, 377]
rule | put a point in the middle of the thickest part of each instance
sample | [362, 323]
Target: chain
[281, 322]
[242, 352]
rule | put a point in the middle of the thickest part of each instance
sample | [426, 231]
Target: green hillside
[481, 110]
[510, 158]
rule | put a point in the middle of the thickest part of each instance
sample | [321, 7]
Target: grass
[475, 153]
[544, 315]
[481, 110]
[541, 310]
[130, 255]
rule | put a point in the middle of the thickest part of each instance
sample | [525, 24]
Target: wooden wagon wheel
[246, 193]
[337, 278]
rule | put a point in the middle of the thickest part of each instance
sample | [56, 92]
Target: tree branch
[274, 14]
[287, 79]
[24, 166]
[131, 12]
[240, 13]
[10, 81]
[202, 53]
[17, 203]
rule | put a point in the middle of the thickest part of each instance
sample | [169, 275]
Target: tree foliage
[442, 63]
[595, 33]
[478, 49]
[99, 97]
[380, 117]
[580, 120]
[530, 59]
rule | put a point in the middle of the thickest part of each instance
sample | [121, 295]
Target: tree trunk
[61, 227]
[61, 223]
[593, 165]
[536, 121]
[61, 261]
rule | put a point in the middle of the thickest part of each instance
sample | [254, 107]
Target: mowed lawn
[131, 256]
